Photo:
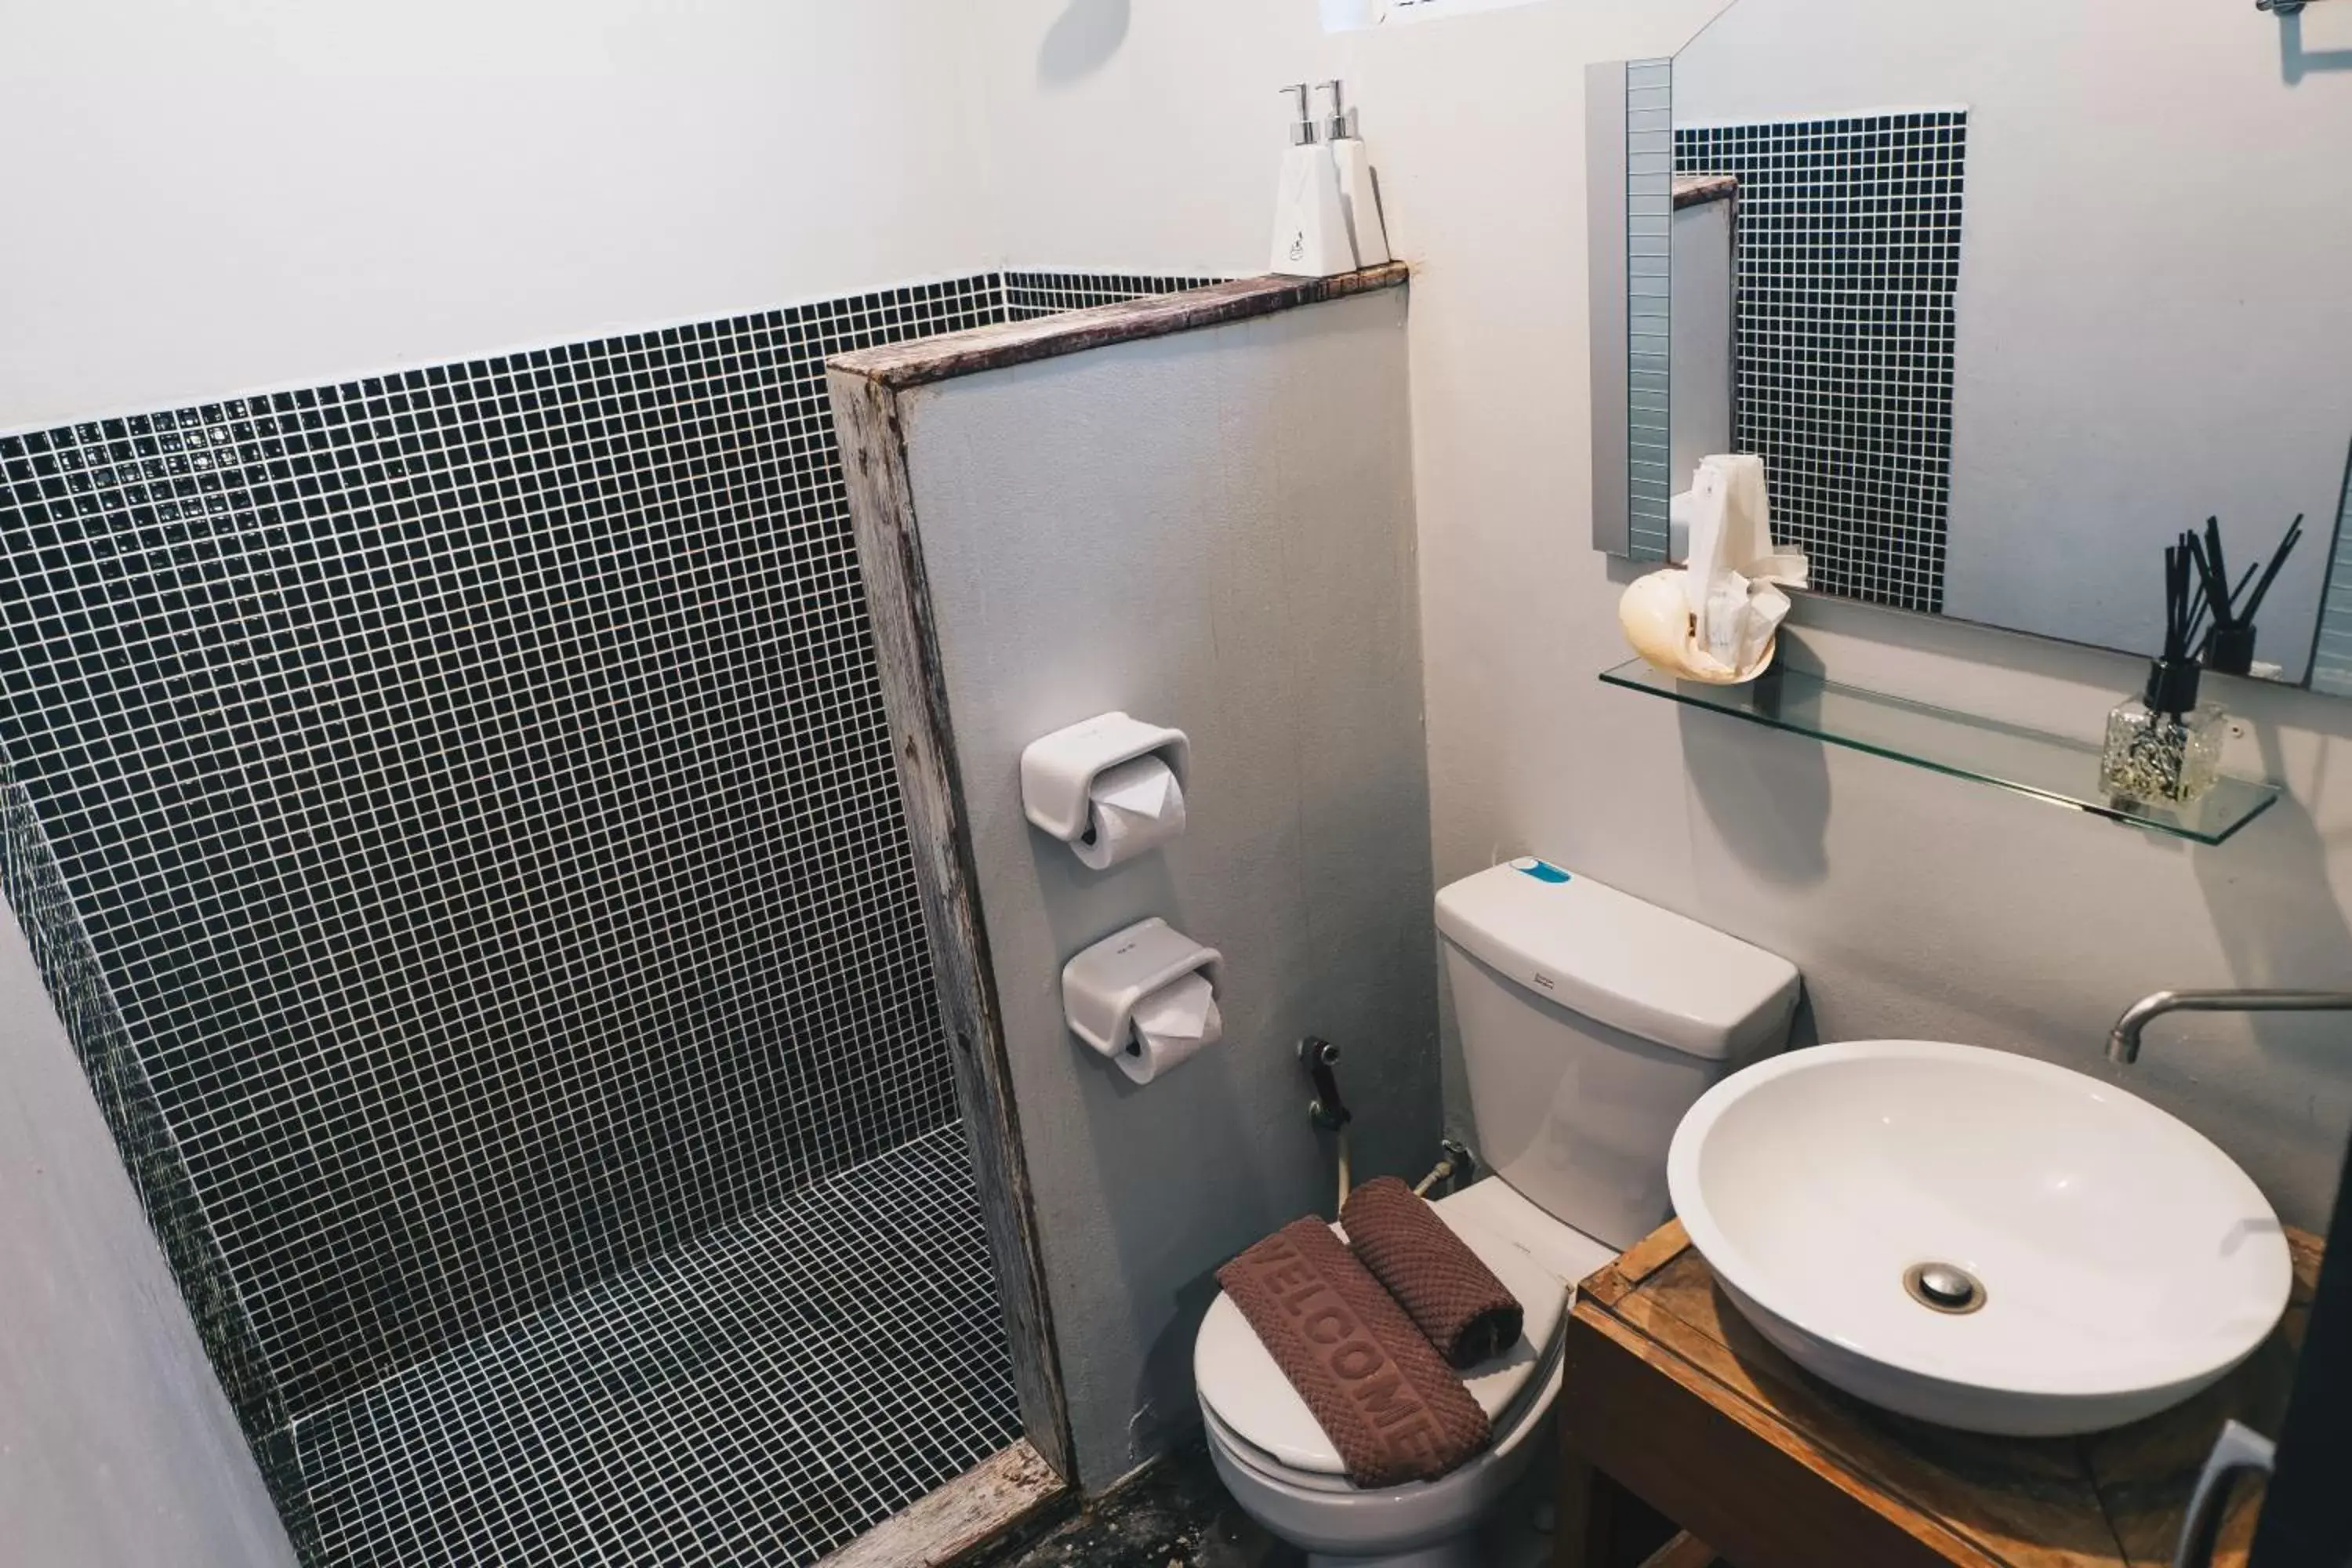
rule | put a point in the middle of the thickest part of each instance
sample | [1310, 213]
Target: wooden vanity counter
[1671, 1395]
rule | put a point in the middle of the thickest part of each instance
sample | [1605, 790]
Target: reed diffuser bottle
[2164, 745]
[2230, 646]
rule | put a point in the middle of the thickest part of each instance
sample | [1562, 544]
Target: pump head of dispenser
[1302, 131]
[1340, 125]
[1358, 186]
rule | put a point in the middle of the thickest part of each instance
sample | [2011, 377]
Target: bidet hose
[1444, 1169]
[1344, 1182]
[1457, 1160]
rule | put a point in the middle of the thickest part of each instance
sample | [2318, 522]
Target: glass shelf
[2048, 767]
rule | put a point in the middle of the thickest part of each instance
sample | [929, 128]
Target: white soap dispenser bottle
[1310, 219]
[1360, 191]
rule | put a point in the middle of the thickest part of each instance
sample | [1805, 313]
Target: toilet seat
[1268, 1426]
[1336, 1524]
[1530, 1408]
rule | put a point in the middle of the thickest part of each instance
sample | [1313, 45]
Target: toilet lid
[1239, 1380]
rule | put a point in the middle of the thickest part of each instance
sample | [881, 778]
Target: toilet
[1589, 1022]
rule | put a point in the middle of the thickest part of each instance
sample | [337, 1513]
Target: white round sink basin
[1977, 1238]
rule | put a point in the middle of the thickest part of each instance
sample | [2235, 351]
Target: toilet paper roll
[1170, 1025]
[1134, 807]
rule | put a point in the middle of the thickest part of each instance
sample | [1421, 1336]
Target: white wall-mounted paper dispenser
[1145, 997]
[1111, 787]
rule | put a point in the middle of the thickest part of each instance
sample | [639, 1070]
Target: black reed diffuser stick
[2229, 646]
[2172, 679]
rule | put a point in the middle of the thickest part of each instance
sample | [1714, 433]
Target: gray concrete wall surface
[1212, 530]
[117, 1449]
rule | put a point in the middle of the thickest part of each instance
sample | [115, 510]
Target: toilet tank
[1590, 1023]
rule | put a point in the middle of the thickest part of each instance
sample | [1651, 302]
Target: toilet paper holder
[1058, 771]
[1101, 986]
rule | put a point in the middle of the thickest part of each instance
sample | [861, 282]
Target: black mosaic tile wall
[477, 869]
[1028, 295]
[1849, 260]
[474, 784]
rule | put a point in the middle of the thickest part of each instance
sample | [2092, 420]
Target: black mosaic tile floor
[761, 1396]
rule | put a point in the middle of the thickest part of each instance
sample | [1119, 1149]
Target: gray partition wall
[1207, 522]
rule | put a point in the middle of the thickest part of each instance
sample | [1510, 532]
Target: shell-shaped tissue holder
[1059, 773]
[1656, 614]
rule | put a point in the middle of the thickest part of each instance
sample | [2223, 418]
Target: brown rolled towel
[1455, 1300]
[1374, 1384]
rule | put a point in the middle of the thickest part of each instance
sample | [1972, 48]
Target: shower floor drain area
[1945, 1288]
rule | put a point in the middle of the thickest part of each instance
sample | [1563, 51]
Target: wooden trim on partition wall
[918, 362]
[865, 413]
[869, 418]
[963, 1518]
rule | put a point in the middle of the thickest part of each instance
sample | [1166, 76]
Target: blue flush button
[1541, 870]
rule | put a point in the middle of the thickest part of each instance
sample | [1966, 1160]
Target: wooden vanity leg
[1587, 1515]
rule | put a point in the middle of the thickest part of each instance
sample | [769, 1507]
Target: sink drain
[1943, 1288]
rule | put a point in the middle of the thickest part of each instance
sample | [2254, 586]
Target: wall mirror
[2007, 294]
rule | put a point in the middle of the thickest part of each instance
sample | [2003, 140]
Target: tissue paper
[1746, 543]
[1710, 506]
[1715, 618]
[1766, 610]
[1133, 807]
[1170, 1025]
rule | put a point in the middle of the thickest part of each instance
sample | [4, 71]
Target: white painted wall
[1145, 137]
[117, 1448]
[215, 196]
[1916, 905]
[1213, 531]
[2144, 337]
[1341, 16]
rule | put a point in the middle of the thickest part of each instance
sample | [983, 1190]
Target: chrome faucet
[2123, 1043]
